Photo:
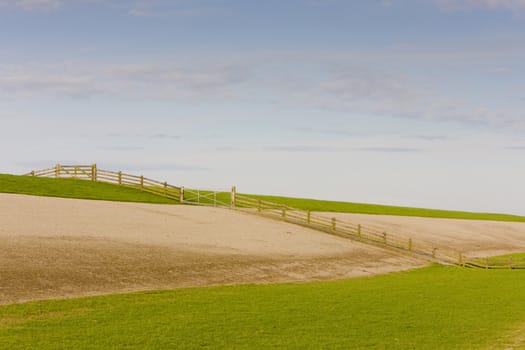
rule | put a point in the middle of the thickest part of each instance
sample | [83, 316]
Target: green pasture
[436, 307]
[72, 188]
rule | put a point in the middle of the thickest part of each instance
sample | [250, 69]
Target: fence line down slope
[321, 222]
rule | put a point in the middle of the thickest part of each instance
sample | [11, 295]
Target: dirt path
[54, 247]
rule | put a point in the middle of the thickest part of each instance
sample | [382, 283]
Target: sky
[401, 102]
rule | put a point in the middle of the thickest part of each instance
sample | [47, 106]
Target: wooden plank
[155, 182]
[108, 172]
[44, 172]
[131, 176]
[107, 176]
[107, 179]
[72, 166]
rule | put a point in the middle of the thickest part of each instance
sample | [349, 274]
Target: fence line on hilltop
[321, 222]
[93, 173]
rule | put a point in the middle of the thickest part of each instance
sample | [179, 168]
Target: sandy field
[55, 247]
[471, 237]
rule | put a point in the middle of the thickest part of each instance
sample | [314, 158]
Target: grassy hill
[431, 308]
[71, 188]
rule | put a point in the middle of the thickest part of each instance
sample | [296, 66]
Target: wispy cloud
[137, 167]
[158, 136]
[369, 90]
[122, 148]
[160, 80]
[139, 13]
[454, 5]
[304, 149]
[431, 138]
[502, 69]
[32, 5]
[31, 84]
[324, 149]
[179, 77]
[321, 131]
[390, 149]
[180, 8]
[162, 136]
[357, 88]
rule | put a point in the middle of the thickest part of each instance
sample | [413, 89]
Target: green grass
[360, 208]
[71, 188]
[431, 308]
[514, 255]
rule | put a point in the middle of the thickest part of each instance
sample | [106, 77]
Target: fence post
[434, 252]
[333, 224]
[141, 182]
[165, 189]
[410, 244]
[120, 177]
[57, 170]
[308, 217]
[283, 213]
[76, 172]
[233, 197]
[510, 262]
[486, 263]
[181, 195]
[94, 172]
[460, 261]
[259, 205]
[32, 173]
[384, 237]
[359, 230]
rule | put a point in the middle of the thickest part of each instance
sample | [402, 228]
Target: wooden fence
[92, 173]
[364, 234]
[497, 262]
[317, 221]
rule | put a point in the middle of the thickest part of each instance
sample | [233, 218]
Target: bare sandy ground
[54, 247]
[471, 237]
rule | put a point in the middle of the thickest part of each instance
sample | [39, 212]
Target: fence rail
[321, 222]
[348, 229]
[92, 173]
[497, 262]
[372, 235]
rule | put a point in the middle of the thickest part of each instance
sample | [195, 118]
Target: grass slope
[71, 188]
[431, 308]
[83, 189]
[360, 208]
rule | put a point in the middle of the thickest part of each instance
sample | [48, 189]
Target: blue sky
[417, 103]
